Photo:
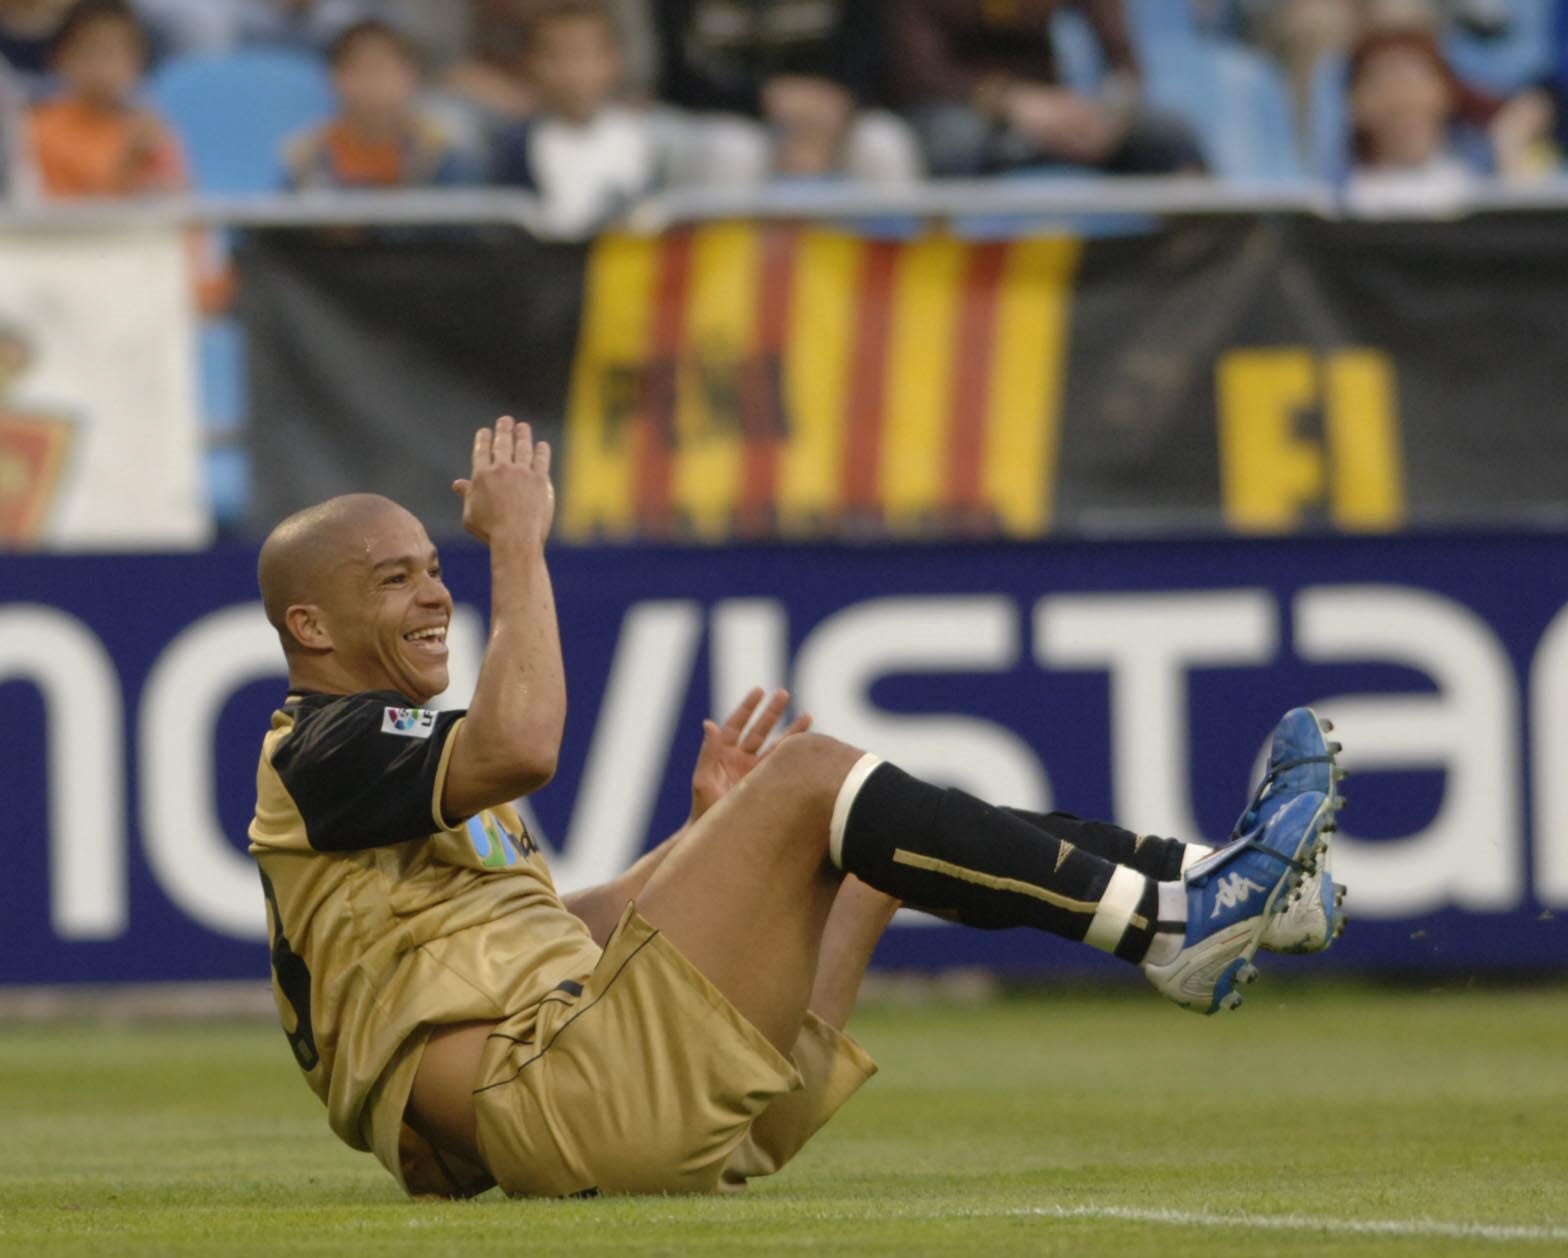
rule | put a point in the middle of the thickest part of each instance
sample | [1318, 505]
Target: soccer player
[679, 1028]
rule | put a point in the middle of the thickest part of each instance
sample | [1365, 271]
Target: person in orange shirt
[94, 139]
[379, 138]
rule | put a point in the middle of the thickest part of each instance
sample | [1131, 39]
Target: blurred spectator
[26, 29]
[1530, 132]
[491, 79]
[980, 80]
[1405, 105]
[93, 138]
[785, 87]
[586, 155]
[1301, 34]
[212, 26]
[378, 139]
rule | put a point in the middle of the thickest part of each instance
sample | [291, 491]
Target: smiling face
[388, 613]
[354, 589]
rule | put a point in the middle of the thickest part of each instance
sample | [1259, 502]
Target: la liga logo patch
[408, 722]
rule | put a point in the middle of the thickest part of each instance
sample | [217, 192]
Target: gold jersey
[388, 919]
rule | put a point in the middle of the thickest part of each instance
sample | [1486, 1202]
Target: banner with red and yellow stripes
[754, 379]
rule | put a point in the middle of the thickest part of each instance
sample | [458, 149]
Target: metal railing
[935, 201]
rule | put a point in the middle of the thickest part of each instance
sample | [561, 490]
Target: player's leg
[1152, 856]
[746, 895]
[949, 853]
[1301, 759]
[832, 1067]
[854, 928]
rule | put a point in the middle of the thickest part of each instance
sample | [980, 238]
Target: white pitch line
[1294, 1223]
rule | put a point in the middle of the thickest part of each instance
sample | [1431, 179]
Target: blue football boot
[1313, 916]
[1234, 895]
[1301, 759]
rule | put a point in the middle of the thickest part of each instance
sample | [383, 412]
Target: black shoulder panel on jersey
[362, 768]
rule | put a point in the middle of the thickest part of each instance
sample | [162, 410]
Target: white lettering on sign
[86, 783]
[851, 649]
[1471, 855]
[196, 864]
[1549, 762]
[1148, 643]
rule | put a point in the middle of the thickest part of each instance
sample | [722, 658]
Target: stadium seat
[1330, 121]
[1234, 97]
[1504, 63]
[1154, 24]
[235, 110]
[228, 478]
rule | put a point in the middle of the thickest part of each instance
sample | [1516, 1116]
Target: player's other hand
[508, 494]
[732, 750]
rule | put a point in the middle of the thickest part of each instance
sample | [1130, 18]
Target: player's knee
[811, 767]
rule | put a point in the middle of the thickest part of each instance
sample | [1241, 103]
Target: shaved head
[353, 587]
[303, 558]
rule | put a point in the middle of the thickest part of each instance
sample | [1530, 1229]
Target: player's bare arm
[508, 744]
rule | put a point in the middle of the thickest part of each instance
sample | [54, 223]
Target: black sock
[955, 856]
[1151, 856]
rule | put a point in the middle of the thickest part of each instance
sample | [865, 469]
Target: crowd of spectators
[591, 103]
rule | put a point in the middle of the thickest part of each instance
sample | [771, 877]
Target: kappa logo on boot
[1233, 889]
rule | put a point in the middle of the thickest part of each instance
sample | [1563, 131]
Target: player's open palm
[732, 750]
[508, 493]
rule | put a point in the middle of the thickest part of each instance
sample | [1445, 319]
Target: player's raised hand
[508, 492]
[732, 750]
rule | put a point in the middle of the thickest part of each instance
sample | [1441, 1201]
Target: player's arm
[508, 743]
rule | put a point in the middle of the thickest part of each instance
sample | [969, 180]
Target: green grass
[1329, 1104]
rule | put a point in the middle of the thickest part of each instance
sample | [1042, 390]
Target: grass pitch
[1315, 1121]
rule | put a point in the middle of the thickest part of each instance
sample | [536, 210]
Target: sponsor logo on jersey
[495, 845]
[409, 722]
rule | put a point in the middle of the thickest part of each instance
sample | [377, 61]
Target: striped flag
[745, 379]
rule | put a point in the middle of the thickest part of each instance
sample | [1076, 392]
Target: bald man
[680, 1028]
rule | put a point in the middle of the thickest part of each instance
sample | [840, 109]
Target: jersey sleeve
[365, 772]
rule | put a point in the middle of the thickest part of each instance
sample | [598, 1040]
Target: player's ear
[307, 625]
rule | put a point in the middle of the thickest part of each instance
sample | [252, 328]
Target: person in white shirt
[585, 154]
[1406, 104]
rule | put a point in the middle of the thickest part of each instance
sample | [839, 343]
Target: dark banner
[800, 381]
[1137, 681]
[372, 360]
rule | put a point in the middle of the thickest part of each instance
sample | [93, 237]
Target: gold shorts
[645, 1079]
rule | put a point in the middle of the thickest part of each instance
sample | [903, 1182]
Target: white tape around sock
[1117, 907]
[856, 778]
